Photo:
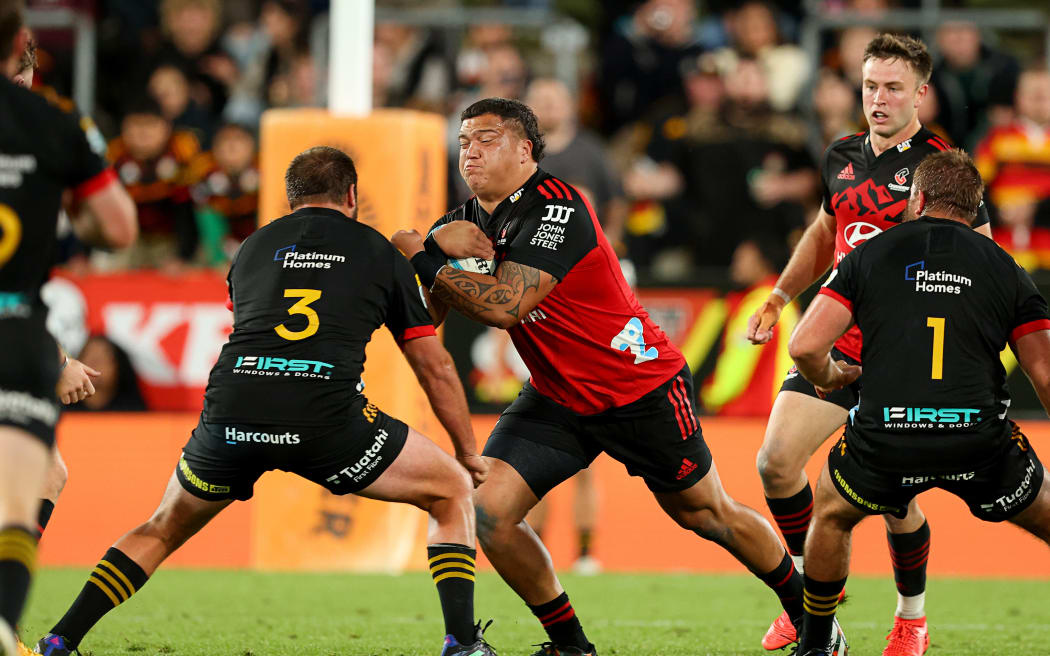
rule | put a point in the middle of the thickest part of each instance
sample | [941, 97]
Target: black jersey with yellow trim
[308, 291]
[937, 303]
[44, 150]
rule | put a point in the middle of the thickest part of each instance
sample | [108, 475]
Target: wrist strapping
[427, 266]
[782, 294]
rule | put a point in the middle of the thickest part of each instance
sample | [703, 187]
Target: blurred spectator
[576, 155]
[419, 74]
[191, 29]
[117, 389]
[747, 378]
[227, 194]
[473, 54]
[170, 87]
[1014, 161]
[153, 162]
[753, 29]
[641, 60]
[852, 42]
[974, 84]
[836, 109]
[726, 175]
[273, 58]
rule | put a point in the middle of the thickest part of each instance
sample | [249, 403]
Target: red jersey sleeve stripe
[831, 293]
[568, 194]
[545, 193]
[1030, 327]
[416, 332]
[96, 184]
[553, 187]
[936, 144]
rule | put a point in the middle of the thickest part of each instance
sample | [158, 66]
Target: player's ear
[526, 150]
[921, 94]
[920, 202]
[351, 197]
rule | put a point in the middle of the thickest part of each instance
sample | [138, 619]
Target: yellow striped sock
[19, 545]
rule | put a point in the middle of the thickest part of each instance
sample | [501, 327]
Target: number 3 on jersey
[302, 306]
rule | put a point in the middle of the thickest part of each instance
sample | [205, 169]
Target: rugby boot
[54, 645]
[908, 638]
[836, 644]
[478, 648]
[782, 633]
[551, 649]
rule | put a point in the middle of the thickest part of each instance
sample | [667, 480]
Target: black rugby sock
[786, 582]
[17, 562]
[560, 622]
[820, 599]
[47, 507]
[792, 515]
[910, 553]
[452, 567]
[112, 582]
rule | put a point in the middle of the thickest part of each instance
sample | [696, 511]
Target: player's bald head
[951, 184]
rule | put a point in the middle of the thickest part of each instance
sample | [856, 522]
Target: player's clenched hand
[476, 465]
[74, 383]
[760, 325]
[408, 242]
[461, 239]
[844, 374]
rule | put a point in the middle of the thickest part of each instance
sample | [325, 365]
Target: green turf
[220, 613]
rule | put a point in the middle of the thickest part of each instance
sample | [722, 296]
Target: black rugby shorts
[223, 461]
[29, 371]
[657, 437]
[845, 398]
[994, 490]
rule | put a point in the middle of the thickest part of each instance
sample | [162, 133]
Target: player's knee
[457, 485]
[57, 476]
[491, 519]
[776, 466]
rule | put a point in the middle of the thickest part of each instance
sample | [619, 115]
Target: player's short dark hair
[321, 173]
[511, 110]
[28, 59]
[11, 21]
[905, 48]
[951, 183]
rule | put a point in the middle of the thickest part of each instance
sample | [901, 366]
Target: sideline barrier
[119, 465]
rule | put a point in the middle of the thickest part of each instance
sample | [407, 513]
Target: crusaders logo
[901, 176]
[860, 232]
[867, 202]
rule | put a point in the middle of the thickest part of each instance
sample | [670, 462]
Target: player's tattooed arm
[500, 300]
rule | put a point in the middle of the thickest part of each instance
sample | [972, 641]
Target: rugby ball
[474, 265]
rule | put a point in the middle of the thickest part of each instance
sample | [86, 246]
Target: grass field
[234, 613]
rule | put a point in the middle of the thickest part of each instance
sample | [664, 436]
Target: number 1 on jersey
[302, 306]
[937, 368]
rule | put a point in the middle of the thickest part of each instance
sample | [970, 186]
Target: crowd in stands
[695, 134]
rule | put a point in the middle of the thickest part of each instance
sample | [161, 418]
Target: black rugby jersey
[936, 303]
[868, 194]
[43, 151]
[589, 345]
[308, 291]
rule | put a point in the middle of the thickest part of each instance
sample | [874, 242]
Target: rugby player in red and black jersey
[43, 152]
[604, 377]
[308, 291]
[866, 182]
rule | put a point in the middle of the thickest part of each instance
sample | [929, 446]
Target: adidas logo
[687, 468]
[847, 173]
